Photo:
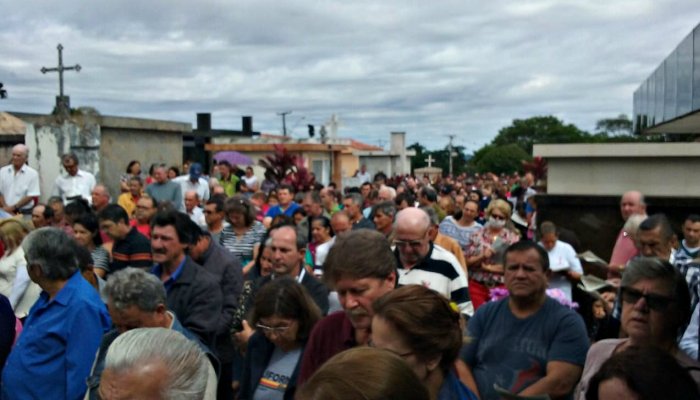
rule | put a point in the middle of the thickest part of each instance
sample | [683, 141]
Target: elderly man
[444, 241]
[154, 363]
[352, 205]
[42, 216]
[131, 249]
[136, 299]
[227, 270]
[527, 343]
[632, 202]
[100, 198]
[330, 204]
[146, 208]
[194, 294]
[314, 208]
[194, 182]
[192, 208]
[129, 199]
[365, 177]
[75, 183]
[421, 262]
[53, 355]
[19, 183]
[384, 213]
[163, 189]
[362, 269]
[387, 193]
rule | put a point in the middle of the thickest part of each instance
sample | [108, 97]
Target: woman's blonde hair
[12, 233]
[364, 373]
[500, 205]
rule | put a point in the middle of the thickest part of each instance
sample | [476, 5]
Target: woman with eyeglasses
[485, 252]
[655, 306]
[422, 327]
[283, 315]
[243, 236]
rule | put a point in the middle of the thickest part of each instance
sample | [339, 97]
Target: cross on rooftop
[60, 69]
[333, 124]
[430, 160]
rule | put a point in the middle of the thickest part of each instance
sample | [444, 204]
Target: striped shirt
[100, 258]
[132, 251]
[449, 227]
[243, 247]
[441, 272]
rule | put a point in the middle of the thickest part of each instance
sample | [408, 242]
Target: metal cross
[430, 160]
[60, 69]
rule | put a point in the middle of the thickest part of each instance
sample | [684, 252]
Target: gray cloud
[451, 67]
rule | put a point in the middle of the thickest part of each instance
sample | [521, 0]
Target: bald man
[192, 208]
[632, 203]
[19, 184]
[421, 262]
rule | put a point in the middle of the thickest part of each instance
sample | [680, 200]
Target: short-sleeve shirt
[461, 234]
[276, 210]
[100, 258]
[479, 241]
[243, 248]
[15, 187]
[278, 372]
[133, 251]
[513, 352]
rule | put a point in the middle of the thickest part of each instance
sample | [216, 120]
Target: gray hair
[391, 190]
[185, 362]
[654, 268]
[432, 215]
[135, 287]
[53, 251]
[355, 197]
[387, 208]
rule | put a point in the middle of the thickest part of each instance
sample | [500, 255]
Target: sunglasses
[498, 217]
[654, 301]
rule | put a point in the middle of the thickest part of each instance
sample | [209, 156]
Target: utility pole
[450, 151]
[284, 121]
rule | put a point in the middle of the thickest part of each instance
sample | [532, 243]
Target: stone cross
[333, 124]
[60, 69]
[430, 160]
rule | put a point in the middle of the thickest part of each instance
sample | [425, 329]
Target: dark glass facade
[673, 90]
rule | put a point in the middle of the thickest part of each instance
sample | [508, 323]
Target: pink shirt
[624, 249]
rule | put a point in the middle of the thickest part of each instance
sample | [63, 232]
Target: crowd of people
[225, 286]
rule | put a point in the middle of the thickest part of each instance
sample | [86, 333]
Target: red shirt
[331, 335]
[145, 230]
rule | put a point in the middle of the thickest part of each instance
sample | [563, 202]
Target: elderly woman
[655, 305]
[243, 236]
[485, 251]
[14, 280]
[422, 327]
[283, 316]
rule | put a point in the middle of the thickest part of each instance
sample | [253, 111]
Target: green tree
[621, 125]
[503, 159]
[418, 161]
[526, 132]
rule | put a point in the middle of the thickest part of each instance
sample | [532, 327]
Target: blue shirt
[55, 351]
[158, 271]
[277, 210]
[514, 352]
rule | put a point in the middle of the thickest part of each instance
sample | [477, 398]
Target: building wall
[349, 163]
[119, 146]
[377, 164]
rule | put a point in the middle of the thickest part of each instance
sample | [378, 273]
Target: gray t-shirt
[276, 377]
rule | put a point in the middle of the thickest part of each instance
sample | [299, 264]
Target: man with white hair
[136, 299]
[387, 193]
[192, 208]
[19, 183]
[156, 364]
[421, 262]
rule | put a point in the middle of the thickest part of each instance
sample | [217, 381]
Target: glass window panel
[659, 92]
[696, 70]
[651, 99]
[670, 66]
[684, 76]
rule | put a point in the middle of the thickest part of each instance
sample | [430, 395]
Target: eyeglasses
[411, 243]
[272, 330]
[402, 355]
[654, 301]
[498, 217]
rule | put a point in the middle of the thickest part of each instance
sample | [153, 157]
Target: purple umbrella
[233, 157]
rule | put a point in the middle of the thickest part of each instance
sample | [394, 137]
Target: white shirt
[366, 177]
[562, 258]
[70, 186]
[201, 187]
[197, 216]
[15, 187]
[250, 182]
[321, 254]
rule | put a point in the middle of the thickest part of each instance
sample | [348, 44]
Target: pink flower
[497, 294]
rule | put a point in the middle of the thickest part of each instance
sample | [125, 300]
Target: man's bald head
[191, 200]
[412, 218]
[632, 202]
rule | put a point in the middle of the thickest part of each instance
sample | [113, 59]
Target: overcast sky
[427, 68]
